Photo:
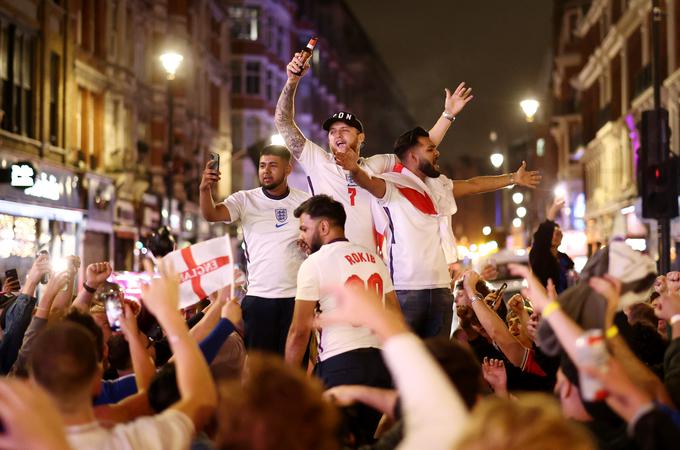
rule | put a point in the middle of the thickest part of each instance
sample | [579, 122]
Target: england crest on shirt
[281, 215]
[350, 180]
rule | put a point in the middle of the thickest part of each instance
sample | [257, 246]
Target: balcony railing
[642, 80]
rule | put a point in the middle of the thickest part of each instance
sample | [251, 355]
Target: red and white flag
[204, 268]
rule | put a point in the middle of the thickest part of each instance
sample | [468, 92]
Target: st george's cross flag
[203, 268]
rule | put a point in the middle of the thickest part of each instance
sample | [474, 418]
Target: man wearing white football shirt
[270, 233]
[347, 354]
[418, 200]
[345, 131]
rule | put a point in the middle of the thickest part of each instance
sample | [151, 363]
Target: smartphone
[45, 277]
[13, 274]
[114, 310]
[214, 160]
[501, 290]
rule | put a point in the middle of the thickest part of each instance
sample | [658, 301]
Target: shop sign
[46, 186]
[22, 175]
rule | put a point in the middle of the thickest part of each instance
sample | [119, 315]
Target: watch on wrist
[447, 115]
[476, 296]
[88, 288]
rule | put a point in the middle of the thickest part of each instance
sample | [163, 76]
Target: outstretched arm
[284, 116]
[480, 185]
[453, 104]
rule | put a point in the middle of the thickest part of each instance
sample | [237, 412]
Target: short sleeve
[311, 156]
[381, 163]
[389, 192]
[308, 282]
[236, 204]
[167, 431]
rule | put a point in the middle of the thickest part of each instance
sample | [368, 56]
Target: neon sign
[23, 176]
[46, 186]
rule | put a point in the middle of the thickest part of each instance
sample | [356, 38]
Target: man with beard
[345, 131]
[417, 201]
[347, 354]
[272, 254]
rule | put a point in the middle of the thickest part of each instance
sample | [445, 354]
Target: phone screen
[114, 310]
[214, 161]
[12, 274]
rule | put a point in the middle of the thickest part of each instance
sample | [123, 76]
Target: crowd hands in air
[198, 378]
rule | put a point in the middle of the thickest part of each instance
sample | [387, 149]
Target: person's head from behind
[274, 166]
[276, 406]
[460, 365]
[74, 315]
[418, 153]
[345, 132]
[119, 354]
[532, 422]
[65, 363]
[322, 219]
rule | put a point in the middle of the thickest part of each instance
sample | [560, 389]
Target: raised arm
[349, 160]
[209, 210]
[453, 104]
[95, 275]
[493, 324]
[142, 364]
[198, 395]
[284, 116]
[480, 185]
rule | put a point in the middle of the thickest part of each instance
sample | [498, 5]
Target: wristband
[89, 289]
[550, 308]
[40, 308]
[675, 318]
[476, 297]
[612, 332]
[449, 116]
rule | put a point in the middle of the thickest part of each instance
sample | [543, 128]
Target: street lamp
[170, 62]
[486, 230]
[516, 222]
[529, 107]
[277, 139]
[497, 160]
[521, 212]
[517, 198]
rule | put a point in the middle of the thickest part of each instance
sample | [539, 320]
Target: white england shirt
[336, 264]
[414, 251]
[326, 177]
[270, 232]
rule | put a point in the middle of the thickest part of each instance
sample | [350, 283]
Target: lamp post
[170, 62]
[529, 107]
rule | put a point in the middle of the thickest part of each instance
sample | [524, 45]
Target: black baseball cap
[346, 117]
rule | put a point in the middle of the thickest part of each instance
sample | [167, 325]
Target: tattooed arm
[284, 116]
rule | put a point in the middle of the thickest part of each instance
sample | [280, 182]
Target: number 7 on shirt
[352, 191]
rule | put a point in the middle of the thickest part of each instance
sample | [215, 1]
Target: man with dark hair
[346, 132]
[66, 364]
[347, 354]
[272, 254]
[418, 201]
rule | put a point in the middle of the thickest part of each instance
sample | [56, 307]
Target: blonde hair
[533, 422]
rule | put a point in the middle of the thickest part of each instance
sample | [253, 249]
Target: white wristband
[675, 318]
[449, 116]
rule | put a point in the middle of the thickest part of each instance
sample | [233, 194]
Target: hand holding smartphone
[12, 283]
[214, 159]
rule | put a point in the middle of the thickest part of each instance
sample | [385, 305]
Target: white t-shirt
[169, 430]
[337, 264]
[414, 250]
[326, 177]
[270, 232]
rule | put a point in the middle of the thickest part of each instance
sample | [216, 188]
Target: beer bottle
[307, 52]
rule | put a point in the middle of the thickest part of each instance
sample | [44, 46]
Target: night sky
[499, 47]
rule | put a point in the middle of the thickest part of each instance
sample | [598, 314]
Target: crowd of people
[344, 338]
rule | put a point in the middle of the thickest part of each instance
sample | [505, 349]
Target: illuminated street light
[486, 230]
[516, 222]
[518, 198]
[560, 191]
[171, 62]
[521, 211]
[529, 107]
[277, 139]
[496, 160]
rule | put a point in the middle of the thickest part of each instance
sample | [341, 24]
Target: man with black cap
[346, 132]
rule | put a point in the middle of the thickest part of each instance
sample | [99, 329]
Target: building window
[244, 21]
[253, 78]
[55, 65]
[17, 53]
[270, 85]
[236, 77]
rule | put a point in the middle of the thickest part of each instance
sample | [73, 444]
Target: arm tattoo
[285, 122]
